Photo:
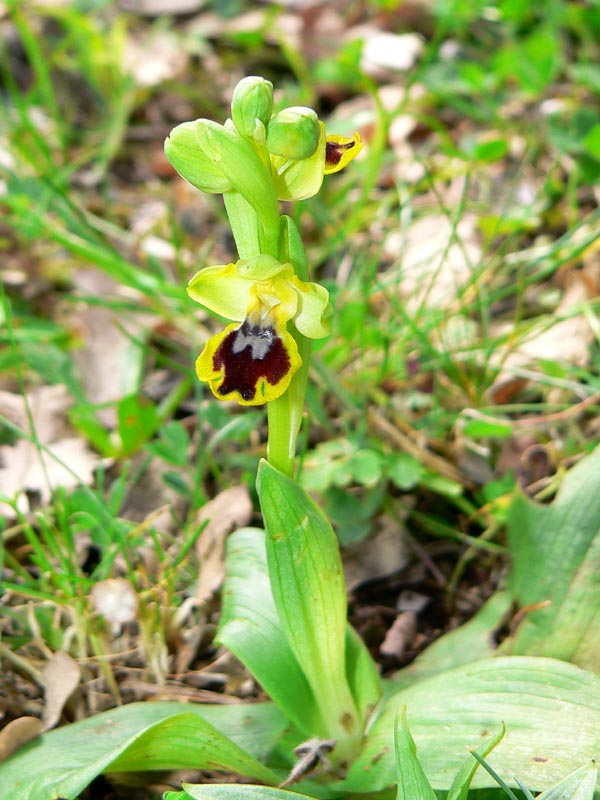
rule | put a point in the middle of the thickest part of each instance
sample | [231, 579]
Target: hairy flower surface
[253, 362]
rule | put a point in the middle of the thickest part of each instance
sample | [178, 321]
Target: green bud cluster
[262, 156]
[292, 133]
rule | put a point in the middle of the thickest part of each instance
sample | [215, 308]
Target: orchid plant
[254, 160]
[332, 727]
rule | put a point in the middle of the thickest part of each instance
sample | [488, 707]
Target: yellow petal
[340, 151]
[275, 297]
[314, 310]
[261, 268]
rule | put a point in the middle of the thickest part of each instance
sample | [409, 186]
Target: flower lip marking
[334, 152]
[258, 339]
[339, 151]
[247, 357]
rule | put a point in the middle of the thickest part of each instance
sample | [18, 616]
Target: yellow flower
[253, 359]
[302, 178]
[339, 151]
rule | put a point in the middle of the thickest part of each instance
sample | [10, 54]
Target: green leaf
[556, 558]
[591, 142]
[143, 735]
[472, 641]
[366, 466]
[551, 710]
[308, 587]
[404, 470]
[533, 61]
[83, 417]
[464, 777]
[441, 484]
[172, 445]
[487, 428]
[137, 420]
[490, 150]
[361, 672]
[177, 482]
[291, 247]
[579, 785]
[250, 629]
[181, 740]
[412, 781]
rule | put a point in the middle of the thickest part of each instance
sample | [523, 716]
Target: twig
[413, 448]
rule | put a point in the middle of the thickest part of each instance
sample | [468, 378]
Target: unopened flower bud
[251, 105]
[293, 133]
[187, 153]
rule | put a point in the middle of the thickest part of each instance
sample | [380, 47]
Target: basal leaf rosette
[254, 358]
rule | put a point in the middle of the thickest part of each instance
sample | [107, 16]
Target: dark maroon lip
[248, 354]
[334, 151]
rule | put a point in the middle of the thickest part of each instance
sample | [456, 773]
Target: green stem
[285, 415]
[279, 453]
[285, 243]
[243, 221]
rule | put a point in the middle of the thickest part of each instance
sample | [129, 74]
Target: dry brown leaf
[387, 552]
[564, 340]
[436, 259]
[148, 490]
[157, 8]
[13, 408]
[61, 678]
[17, 733]
[116, 600]
[153, 58]
[211, 25]
[400, 636]
[53, 3]
[61, 461]
[107, 360]
[228, 510]
[47, 406]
